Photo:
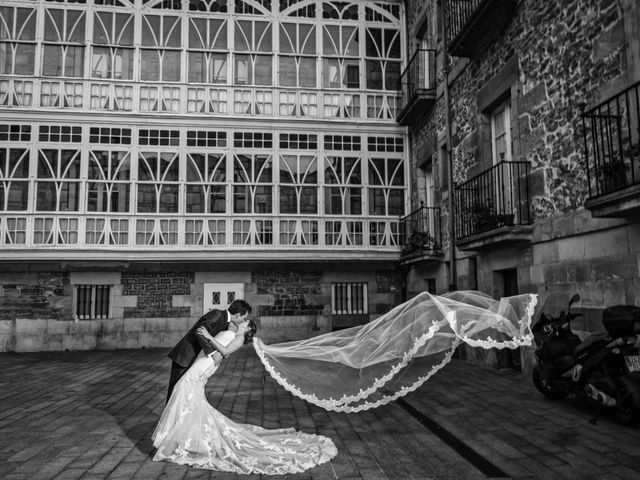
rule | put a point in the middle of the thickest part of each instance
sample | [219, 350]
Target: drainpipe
[453, 274]
[404, 270]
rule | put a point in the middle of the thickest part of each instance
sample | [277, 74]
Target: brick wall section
[38, 295]
[155, 293]
[292, 292]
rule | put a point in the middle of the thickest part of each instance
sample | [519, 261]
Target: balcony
[492, 209]
[422, 240]
[612, 147]
[472, 24]
[418, 87]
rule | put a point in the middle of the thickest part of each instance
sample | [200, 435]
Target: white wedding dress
[192, 432]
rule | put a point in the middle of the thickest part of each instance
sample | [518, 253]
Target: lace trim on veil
[342, 404]
[524, 339]
[346, 403]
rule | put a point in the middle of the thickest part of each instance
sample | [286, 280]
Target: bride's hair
[252, 328]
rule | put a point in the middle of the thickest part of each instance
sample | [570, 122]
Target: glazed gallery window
[386, 190]
[17, 40]
[64, 43]
[297, 61]
[252, 184]
[298, 184]
[340, 62]
[207, 56]
[14, 179]
[158, 182]
[349, 298]
[112, 52]
[501, 132]
[206, 183]
[161, 54]
[92, 301]
[254, 65]
[58, 180]
[343, 193]
[383, 58]
[108, 187]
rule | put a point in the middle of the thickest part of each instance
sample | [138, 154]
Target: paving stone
[90, 415]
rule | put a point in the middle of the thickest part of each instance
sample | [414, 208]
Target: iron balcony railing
[472, 24]
[612, 142]
[497, 197]
[422, 230]
[458, 14]
[418, 77]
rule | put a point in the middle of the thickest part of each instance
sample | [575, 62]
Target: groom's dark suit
[187, 349]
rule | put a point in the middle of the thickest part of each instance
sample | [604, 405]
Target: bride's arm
[227, 350]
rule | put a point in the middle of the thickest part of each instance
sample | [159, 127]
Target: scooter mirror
[574, 299]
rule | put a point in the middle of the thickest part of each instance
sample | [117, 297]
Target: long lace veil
[367, 366]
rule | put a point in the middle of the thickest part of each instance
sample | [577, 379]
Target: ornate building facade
[161, 157]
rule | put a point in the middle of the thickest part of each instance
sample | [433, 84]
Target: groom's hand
[217, 358]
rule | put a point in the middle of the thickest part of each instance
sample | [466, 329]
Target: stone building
[159, 158]
[543, 138]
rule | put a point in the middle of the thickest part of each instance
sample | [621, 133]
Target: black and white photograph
[319, 239]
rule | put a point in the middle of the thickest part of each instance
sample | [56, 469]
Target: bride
[192, 432]
[348, 370]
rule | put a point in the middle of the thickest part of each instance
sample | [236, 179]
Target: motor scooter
[604, 367]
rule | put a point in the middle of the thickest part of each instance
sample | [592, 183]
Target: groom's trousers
[176, 373]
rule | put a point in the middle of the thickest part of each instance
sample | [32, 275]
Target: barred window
[93, 301]
[349, 298]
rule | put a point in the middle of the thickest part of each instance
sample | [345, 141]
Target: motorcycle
[604, 367]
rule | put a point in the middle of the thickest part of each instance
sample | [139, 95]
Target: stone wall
[153, 309]
[35, 295]
[569, 55]
[291, 293]
[154, 292]
[552, 60]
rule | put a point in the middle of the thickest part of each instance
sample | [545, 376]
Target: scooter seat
[596, 339]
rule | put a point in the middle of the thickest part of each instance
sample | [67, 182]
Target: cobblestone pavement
[89, 415]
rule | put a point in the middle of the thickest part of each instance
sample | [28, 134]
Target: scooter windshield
[552, 306]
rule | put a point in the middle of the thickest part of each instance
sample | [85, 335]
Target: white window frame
[504, 110]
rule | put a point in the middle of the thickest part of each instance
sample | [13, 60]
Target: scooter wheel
[545, 389]
[628, 401]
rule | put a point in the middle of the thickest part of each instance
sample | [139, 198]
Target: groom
[187, 349]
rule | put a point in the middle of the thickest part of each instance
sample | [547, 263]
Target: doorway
[220, 295]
